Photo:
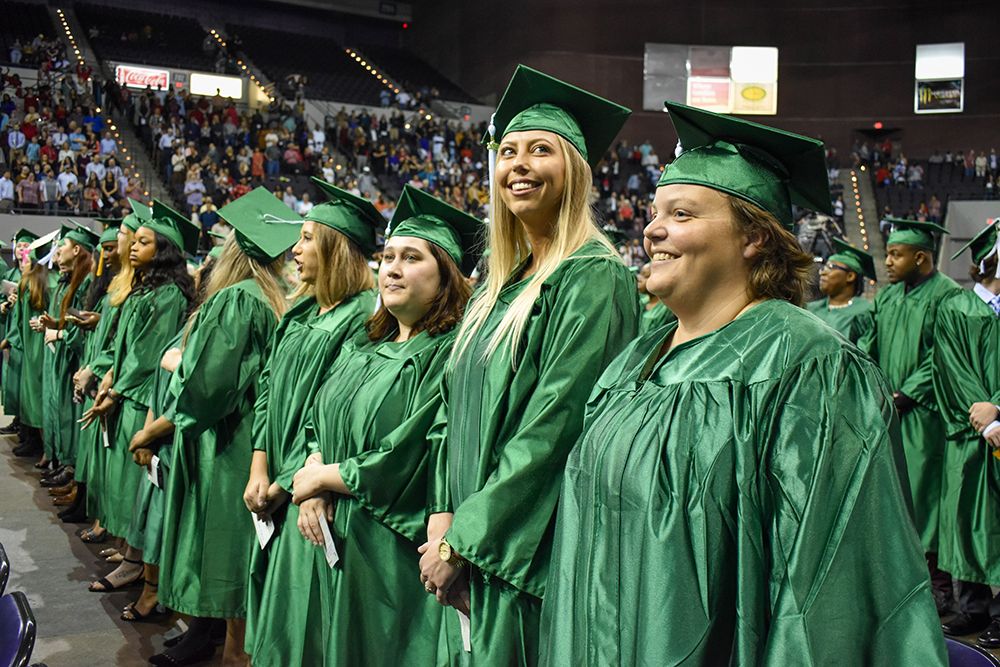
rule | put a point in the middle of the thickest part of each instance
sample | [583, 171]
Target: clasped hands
[981, 415]
[104, 403]
[448, 582]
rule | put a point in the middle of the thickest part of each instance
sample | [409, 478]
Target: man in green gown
[841, 281]
[966, 377]
[902, 343]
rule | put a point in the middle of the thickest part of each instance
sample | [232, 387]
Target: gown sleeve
[156, 319]
[839, 555]
[592, 315]
[14, 324]
[221, 359]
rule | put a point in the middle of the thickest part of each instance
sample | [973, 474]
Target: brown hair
[445, 312]
[342, 271]
[990, 270]
[781, 268]
[35, 280]
[82, 267]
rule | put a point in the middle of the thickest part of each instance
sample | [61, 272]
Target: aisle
[52, 566]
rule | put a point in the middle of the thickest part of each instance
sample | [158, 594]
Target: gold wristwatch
[448, 555]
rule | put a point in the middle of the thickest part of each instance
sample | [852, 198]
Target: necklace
[830, 306]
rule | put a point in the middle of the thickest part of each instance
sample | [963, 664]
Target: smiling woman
[692, 492]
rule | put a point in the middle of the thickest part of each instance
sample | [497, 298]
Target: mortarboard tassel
[492, 159]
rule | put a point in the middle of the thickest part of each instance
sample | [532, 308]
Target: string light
[857, 205]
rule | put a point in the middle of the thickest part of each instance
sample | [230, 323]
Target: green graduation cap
[24, 236]
[427, 217]
[265, 227]
[174, 226]
[140, 213]
[913, 232]
[765, 166]
[537, 101]
[80, 235]
[354, 217]
[615, 235]
[982, 244]
[857, 260]
[111, 226]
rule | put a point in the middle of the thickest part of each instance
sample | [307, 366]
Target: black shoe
[55, 471]
[10, 429]
[27, 449]
[964, 624]
[991, 636]
[62, 479]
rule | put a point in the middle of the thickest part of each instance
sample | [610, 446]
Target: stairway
[861, 216]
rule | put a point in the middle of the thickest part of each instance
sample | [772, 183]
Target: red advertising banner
[134, 76]
[710, 94]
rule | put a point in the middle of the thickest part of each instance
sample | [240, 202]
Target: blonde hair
[509, 246]
[341, 272]
[121, 285]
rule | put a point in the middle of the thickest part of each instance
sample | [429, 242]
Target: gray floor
[52, 566]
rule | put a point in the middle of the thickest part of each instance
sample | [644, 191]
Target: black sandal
[92, 537]
[108, 587]
[131, 613]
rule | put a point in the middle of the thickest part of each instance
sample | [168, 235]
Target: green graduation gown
[61, 413]
[966, 371]
[207, 531]
[146, 530]
[11, 378]
[304, 348]
[852, 321]
[509, 431]
[750, 483]
[655, 317]
[30, 346]
[89, 460]
[902, 342]
[147, 321]
[372, 415]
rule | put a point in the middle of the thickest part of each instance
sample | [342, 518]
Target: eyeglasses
[829, 266]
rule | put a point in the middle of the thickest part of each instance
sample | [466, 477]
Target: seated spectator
[108, 145]
[109, 192]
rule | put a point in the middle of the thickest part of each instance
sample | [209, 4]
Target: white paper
[153, 471]
[466, 628]
[52, 347]
[265, 529]
[104, 434]
[332, 557]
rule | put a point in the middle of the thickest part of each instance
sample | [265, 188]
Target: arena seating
[151, 39]
[24, 21]
[409, 70]
[944, 181]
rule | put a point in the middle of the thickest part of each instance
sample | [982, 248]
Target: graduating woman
[557, 306]
[152, 314]
[739, 471]
[333, 302]
[11, 379]
[841, 280]
[34, 292]
[368, 427]
[207, 532]
[60, 413]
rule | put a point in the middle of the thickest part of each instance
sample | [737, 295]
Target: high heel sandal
[109, 587]
[131, 613]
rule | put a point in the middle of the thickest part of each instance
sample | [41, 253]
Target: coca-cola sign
[134, 76]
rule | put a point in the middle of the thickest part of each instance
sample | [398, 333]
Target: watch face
[444, 551]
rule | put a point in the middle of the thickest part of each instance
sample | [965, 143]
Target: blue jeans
[272, 167]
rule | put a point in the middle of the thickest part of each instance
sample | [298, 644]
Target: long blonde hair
[234, 266]
[509, 246]
[121, 284]
[342, 270]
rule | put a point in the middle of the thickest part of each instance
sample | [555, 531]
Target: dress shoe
[65, 501]
[10, 429]
[51, 472]
[28, 449]
[74, 513]
[991, 636]
[964, 624]
[62, 479]
[62, 490]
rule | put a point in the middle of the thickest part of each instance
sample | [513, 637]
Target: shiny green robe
[207, 531]
[30, 346]
[62, 432]
[304, 348]
[147, 321]
[655, 317]
[11, 379]
[146, 530]
[750, 484]
[851, 321]
[372, 415]
[508, 432]
[966, 371]
[902, 343]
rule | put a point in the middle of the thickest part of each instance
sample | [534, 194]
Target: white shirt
[65, 178]
[6, 188]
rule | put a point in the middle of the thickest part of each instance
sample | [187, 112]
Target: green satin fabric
[966, 371]
[207, 531]
[50, 381]
[902, 343]
[11, 379]
[741, 483]
[374, 608]
[549, 117]
[62, 431]
[146, 322]
[305, 346]
[145, 532]
[653, 318]
[31, 347]
[508, 433]
[852, 322]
